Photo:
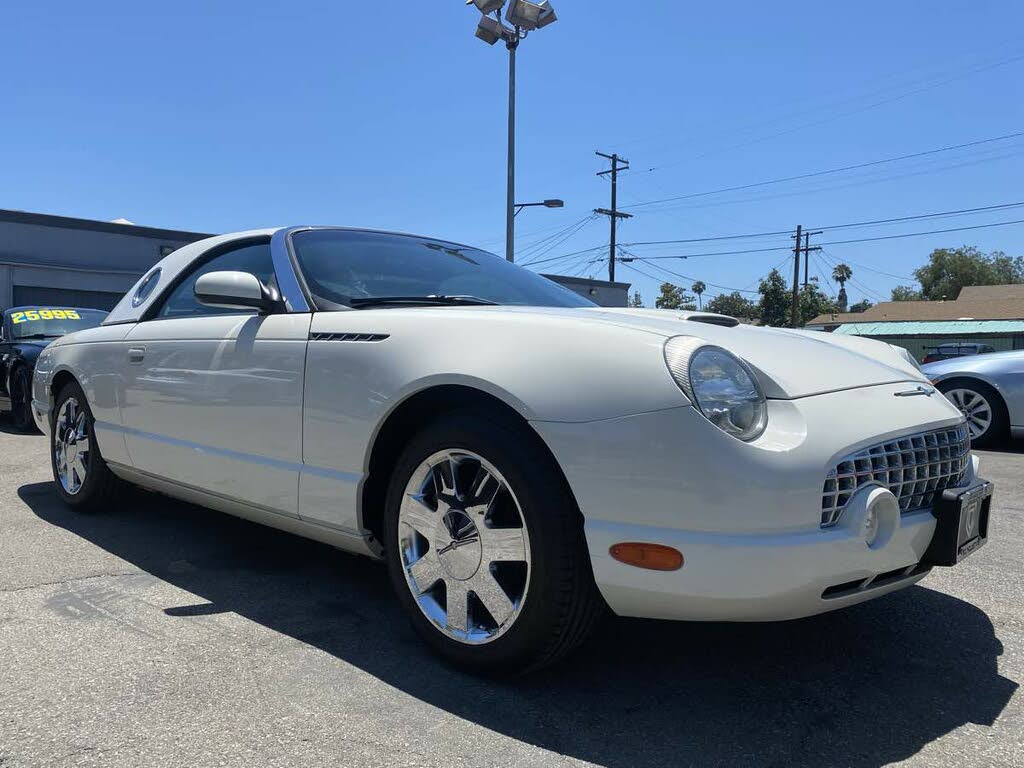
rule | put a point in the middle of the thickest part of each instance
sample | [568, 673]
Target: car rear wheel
[81, 476]
[21, 400]
[983, 407]
[485, 547]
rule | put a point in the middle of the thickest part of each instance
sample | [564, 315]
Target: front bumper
[41, 416]
[746, 517]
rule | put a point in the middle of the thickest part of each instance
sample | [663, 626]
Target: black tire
[21, 400]
[101, 487]
[562, 604]
[999, 427]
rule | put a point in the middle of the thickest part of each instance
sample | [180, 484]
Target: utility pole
[802, 243]
[807, 254]
[613, 213]
[795, 316]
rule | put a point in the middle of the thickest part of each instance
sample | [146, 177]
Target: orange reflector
[654, 557]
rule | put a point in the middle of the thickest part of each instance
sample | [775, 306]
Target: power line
[566, 255]
[562, 238]
[826, 228]
[858, 92]
[808, 190]
[842, 169]
[835, 242]
[688, 278]
[537, 244]
[840, 115]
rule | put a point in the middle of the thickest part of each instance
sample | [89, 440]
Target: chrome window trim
[288, 282]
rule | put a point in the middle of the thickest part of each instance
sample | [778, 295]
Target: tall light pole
[523, 16]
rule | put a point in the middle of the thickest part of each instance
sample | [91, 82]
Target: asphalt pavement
[161, 634]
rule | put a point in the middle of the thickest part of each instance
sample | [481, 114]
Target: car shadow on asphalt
[862, 687]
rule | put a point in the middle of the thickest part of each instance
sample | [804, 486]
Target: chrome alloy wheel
[464, 546]
[975, 408]
[71, 446]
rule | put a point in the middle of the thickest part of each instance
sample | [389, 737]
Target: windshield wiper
[429, 301]
[38, 336]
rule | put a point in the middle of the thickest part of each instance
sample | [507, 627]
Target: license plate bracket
[961, 527]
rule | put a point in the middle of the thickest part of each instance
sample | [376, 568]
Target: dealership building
[63, 261]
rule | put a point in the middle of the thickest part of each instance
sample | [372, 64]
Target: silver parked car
[988, 389]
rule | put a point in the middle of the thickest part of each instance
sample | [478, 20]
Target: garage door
[26, 295]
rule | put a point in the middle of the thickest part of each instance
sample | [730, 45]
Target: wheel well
[60, 380]
[409, 418]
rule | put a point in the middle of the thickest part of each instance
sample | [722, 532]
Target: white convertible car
[520, 457]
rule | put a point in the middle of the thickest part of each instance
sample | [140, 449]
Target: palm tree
[841, 274]
[699, 288]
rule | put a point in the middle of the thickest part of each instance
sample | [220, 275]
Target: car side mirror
[237, 290]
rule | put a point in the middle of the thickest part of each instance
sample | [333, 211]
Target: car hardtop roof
[370, 230]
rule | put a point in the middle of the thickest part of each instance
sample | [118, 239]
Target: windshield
[343, 267]
[51, 322]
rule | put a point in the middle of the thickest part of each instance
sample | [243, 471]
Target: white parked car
[520, 457]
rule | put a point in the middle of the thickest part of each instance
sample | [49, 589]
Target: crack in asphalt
[68, 581]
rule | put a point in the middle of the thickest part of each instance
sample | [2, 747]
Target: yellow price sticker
[44, 314]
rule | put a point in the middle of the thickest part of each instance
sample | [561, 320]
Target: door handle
[136, 355]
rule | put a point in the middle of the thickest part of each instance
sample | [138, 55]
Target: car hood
[34, 345]
[789, 363]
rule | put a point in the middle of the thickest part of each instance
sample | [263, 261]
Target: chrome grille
[915, 468]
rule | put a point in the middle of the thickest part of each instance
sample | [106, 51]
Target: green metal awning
[934, 328]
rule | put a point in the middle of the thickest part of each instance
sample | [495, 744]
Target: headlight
[720, 384]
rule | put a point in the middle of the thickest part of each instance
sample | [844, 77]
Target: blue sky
[217, 116]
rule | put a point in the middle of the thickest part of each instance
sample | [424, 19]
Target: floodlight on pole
[524, 16]
[490, 30]
[486, 6]
[528, 15]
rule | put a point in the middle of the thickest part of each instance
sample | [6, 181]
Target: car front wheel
[21, 400]
[485, 547]
[81, 476]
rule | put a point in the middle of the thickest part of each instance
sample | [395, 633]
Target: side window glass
[182, 302]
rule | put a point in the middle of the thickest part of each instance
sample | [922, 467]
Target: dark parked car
[949, 351]
[24, 333]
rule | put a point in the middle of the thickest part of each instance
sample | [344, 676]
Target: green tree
[775, 302]
[906, 293]
[637, 300]
[814, 302]
[861, 306]
[949, 270]
[734, 305]
[673, 297]
[699, 288]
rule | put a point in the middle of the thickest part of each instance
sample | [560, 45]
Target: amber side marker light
[653, 557]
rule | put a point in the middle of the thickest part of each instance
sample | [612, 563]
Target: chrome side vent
[348, 336]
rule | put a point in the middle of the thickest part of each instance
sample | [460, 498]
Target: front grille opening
[848, 588]
[915, 468]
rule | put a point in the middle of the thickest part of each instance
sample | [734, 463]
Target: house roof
[933, 328]
[987, 302]
[991, 292]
